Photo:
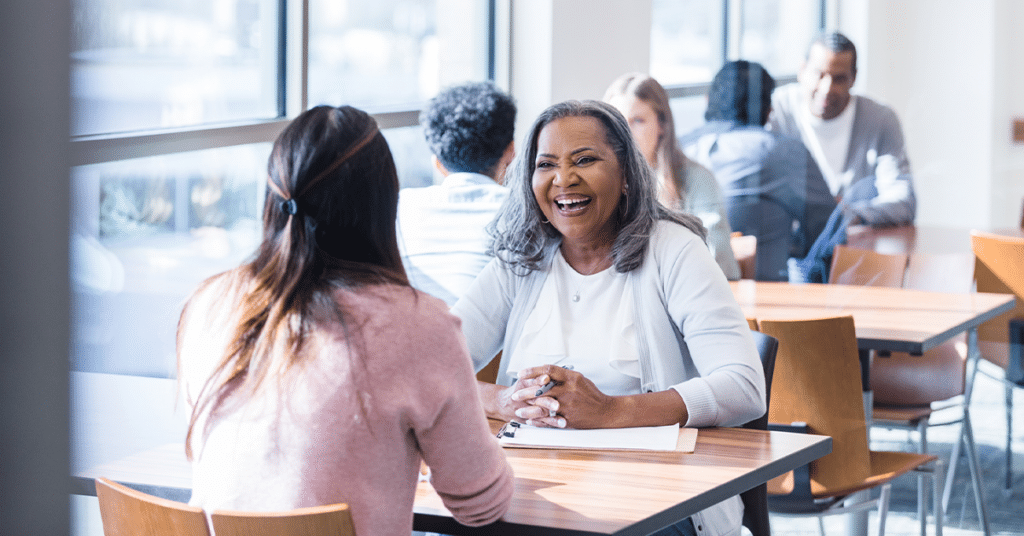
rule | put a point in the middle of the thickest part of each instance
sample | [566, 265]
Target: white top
[561, 328]
[829, 143]
[441, 232]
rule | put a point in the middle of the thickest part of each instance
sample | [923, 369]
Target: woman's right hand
[518, 402]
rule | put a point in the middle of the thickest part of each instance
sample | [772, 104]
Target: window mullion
[296, 51]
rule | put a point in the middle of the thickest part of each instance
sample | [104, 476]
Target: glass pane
[776, 33]
[394, 54]
[686, 40]
[144, 64]
[412, 156]
[145, 233]
[688, 113]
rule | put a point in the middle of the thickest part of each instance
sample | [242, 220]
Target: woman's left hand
[573, 401]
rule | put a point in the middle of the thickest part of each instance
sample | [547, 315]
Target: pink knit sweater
[348, 423]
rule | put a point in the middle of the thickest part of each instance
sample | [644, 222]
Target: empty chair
[851, 266]
[817, 387]
[1000, 268]
[744, 248]
[755, 500]
[908, 389]
[127, 512]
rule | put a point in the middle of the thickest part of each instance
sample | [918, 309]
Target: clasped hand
[573, 401]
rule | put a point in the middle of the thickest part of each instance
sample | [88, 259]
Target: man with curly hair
[441, 228]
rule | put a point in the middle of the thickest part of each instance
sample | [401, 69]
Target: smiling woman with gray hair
[610, 296]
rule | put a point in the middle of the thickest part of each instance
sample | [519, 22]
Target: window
[176, 105]
[691, 39]
[172, 63]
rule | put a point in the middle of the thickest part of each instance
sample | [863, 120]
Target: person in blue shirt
[772, 186]
[470, 130]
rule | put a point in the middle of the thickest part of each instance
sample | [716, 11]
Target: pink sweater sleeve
[468, 467]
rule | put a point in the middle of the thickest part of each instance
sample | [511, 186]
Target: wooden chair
[851, 266]
[489, 374]
[817, 388]
[1000, 268]
[744, 248]
[127, 512]
[755, 500]
[907, 390]
[330, 520]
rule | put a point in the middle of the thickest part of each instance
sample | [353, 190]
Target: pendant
[576, 297]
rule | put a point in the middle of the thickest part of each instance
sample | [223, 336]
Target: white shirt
[441, 232]
[829, 143]
[562, 329]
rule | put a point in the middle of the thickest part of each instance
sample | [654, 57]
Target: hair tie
[289, 207]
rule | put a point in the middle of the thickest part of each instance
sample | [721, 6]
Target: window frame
[293, 99]
[732, 31]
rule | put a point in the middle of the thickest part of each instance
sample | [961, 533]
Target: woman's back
[349, 420]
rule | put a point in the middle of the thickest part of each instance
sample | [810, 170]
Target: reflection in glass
[145, 233]
[776, 33]
[686, 40]
[393, 54]
[145, 64]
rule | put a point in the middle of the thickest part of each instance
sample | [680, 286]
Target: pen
[547, 386]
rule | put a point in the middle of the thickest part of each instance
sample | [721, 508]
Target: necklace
[581, 278]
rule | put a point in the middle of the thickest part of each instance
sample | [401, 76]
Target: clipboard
[669, 438]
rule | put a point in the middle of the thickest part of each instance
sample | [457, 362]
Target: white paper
[662, 438]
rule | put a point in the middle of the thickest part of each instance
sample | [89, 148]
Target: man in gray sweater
[851, 137]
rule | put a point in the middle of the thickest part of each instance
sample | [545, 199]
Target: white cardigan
[692, 337]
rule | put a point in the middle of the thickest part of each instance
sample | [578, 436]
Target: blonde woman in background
[683, 185]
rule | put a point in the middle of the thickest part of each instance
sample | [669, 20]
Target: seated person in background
[441, 234]
[773, 189]
[591, 271]
[314, 373]
[851, 137]
[682, 183]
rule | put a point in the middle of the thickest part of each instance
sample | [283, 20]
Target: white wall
[573, 49]
[948, 69]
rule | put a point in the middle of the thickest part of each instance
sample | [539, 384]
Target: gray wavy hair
[519, 236]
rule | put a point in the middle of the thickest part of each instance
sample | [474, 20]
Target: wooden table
[886, 319]
[606, 492]
[556, 491]
[918, 239]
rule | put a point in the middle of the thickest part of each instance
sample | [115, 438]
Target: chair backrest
[744, 248]
[999, 268]
[330, 520]
[817, 382]
[755, 500]
[127, 512]
[852, 266]
[906, 380]
[489, 374]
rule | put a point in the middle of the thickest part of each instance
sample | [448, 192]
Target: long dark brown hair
[328, 221]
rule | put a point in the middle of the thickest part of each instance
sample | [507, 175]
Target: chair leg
[954, 461]
[940, 514]
[922, 447]
[821, 526]
[883, 508]
[975, 467]
[1009, 436]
